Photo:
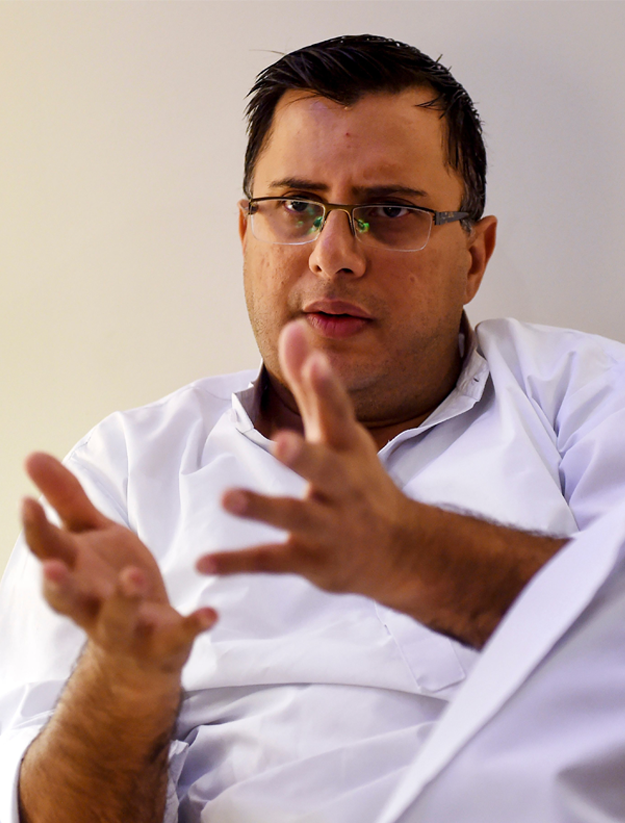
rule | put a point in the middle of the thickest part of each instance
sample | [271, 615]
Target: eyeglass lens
[293, 222]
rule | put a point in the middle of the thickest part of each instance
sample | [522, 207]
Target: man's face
[393, 337]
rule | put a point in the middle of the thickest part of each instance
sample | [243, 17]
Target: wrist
[130, 682]
[461, 574]
[107, 741]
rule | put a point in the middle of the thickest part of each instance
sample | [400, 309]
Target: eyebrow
[361, 191]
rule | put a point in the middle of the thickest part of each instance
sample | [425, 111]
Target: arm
[104, 752]
[355, 531]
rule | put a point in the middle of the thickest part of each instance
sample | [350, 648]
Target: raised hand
[104, 578]
[353, 529]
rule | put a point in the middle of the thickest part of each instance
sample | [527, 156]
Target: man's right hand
[105, 748]
[104, 578]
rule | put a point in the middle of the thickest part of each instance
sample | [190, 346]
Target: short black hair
[346, 68]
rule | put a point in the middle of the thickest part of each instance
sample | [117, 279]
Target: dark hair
[344, 69]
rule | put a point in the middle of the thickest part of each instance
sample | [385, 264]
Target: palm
[103, 577]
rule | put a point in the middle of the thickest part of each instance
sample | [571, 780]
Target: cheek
[269, 290]
[432, 289]
[261, 278]
[420, 279]
[271, 277]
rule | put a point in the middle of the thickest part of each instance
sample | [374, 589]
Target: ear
[243, 222]
[480, 247]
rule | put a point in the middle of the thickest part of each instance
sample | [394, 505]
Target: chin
[354, 377]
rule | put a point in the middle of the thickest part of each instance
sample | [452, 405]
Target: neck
[278, 410]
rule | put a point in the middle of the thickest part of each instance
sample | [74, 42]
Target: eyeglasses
[292, 221]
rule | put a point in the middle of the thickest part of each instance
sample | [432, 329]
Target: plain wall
[121, 143]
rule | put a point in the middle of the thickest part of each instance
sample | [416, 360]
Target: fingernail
[235, 501]
[132, 582]
[287, 447]
[51, 582]
[53, 573]
[206, 565]
[206, 618]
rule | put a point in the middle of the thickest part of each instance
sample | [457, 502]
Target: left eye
[388, 212]
[297, 206]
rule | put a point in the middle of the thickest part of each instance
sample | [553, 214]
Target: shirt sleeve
[591, 438]
[576, 383]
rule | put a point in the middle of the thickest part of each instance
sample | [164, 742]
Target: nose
[337, 251]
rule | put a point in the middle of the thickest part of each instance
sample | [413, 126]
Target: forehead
[381, 140]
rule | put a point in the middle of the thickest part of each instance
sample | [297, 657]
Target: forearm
[104, 754]
[466, 572]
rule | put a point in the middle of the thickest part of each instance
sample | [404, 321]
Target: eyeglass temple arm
[442, 217]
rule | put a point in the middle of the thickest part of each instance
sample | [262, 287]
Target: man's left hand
[355, 531]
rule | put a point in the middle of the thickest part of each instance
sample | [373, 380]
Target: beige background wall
[121, 139]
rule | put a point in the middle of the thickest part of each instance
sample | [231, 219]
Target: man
[378, 422]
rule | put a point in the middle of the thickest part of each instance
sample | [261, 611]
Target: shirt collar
[466, 393]
[246, 408]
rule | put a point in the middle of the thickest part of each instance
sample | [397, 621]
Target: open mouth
[338, 325]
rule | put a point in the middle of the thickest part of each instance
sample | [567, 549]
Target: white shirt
[537, 733]
[303, 705]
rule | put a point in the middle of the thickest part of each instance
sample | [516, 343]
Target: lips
[336, 318]
[336, 307]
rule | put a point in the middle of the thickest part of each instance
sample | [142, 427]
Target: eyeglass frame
[439, 218]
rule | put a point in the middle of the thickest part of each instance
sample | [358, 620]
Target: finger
[333, 411]
[272, 558]
[64, 493]
[43, 538]
[315, 462]
[307, 517]
[64, 595]
[119, 614]
[130, 622]
[324, 404]
[199, 621]
[165, 636]
[294, 349]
